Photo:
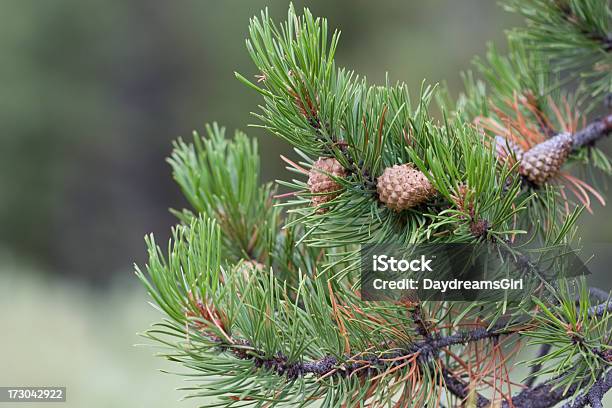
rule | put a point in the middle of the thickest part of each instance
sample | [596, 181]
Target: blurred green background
[93, 93]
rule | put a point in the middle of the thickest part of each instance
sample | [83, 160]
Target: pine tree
[261, 290]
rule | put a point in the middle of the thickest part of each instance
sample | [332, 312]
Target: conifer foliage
[261, 290]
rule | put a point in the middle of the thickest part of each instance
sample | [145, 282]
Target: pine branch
[544, 395]
[274, 338]
[425, 351]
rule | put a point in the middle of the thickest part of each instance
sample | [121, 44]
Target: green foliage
[220, 178]
[320, 109]
[192, 278]
[190, 272]
[519, 72]
[366, 128]
[296, 65]
[581, 342]
[467, 175]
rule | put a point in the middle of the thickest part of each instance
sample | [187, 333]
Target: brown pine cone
[544, 160]
[403, 186]
[319, 182]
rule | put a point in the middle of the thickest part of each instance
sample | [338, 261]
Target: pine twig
[600, 309]
[544, 350]
[595, 311]
[593, 132]
[541, 396]
[599, 294]
[419, 321]
[594, 395]
[461, 390]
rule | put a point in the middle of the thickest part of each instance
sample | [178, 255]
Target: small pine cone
[319, 182]
[402, 186]
[505, 148]
[544, 160]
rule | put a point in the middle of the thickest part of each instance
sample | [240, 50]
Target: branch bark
[540, 396]
[594, 395]
[599, 310]
[426, 350]
[593, 132]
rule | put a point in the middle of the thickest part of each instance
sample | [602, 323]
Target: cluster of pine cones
[399, 187]
[402, 186]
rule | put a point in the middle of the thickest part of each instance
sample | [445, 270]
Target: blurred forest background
[93, 93]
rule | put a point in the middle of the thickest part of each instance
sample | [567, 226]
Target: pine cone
[402, 186]
[319, 182]
[506, 148]
[544, 160]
